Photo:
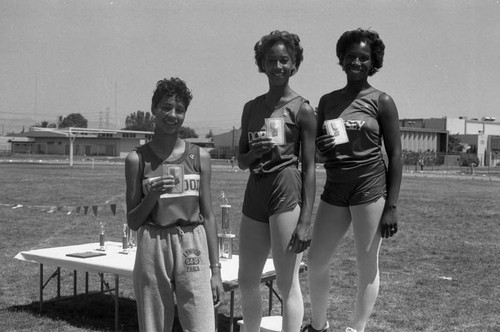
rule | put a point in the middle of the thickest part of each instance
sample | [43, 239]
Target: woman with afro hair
[277, 127]
[360, 189]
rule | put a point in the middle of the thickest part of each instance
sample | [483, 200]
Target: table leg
[56, 273]
[117, 282]
[231, 312]
[58, 282]
[270, 297]
[86, 282]
[216, 313]
[41, 287]
[74, 282]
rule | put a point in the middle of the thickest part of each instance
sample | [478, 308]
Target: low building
[87, 142]
[479, 136]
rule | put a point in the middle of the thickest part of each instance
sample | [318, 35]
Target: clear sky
[103, 58]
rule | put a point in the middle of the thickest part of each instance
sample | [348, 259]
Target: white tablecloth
[114, 261]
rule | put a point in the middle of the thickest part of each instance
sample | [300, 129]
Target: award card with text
[336, 128]
[177, 171]
[275, 129]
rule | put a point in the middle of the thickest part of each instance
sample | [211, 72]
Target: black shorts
[270, 194]
[362, 191]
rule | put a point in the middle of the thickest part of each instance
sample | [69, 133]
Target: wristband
[212, 266]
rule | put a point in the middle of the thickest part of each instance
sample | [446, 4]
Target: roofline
[77, 130]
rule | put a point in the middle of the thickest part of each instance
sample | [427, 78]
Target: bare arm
[136, 215]
[307, 123]
[324, 142]
[210, 225]
[389, 120]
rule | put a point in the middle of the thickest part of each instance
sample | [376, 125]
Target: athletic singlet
[280, 156]
[362, 156]
[173, 208]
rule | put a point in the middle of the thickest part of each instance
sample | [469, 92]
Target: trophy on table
[102, 245]
[125, 240]
[131, 237]
[225, 237]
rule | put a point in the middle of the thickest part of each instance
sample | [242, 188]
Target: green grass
[439, 273]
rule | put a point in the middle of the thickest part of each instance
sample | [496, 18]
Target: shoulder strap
[194, 153]
[297, 117]
[141, 160]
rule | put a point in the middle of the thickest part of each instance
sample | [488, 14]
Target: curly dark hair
[361, 35]
[290, 40]
[171, 87]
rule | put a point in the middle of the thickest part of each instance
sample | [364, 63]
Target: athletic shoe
[350, 329]
[309, 328]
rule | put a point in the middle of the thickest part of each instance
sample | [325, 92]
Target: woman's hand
[260, 146]
[218, 294]
[163, 184]
[325, 143]
[301, 238]
[389, 222]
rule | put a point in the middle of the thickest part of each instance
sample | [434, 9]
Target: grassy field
[439, 273]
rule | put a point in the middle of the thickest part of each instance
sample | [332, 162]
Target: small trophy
[225, 237]
[125, 239]
[102, 246]
[131, 236]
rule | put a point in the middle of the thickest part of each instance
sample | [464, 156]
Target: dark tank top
[281, 156]
[362, 156]
[181, 208]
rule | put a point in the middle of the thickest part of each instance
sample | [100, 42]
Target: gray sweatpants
[173, 260]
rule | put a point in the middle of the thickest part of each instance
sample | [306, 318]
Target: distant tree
[210, 134]
[44, 124]
[454, 145]
[140, 121]
[410, 157]
[74, 120]
[186, 132]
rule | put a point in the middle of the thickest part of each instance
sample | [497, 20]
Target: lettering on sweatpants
[192, 260]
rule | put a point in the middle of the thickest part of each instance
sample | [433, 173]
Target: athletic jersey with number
[176, 208]
[362, 156]
[283, 155]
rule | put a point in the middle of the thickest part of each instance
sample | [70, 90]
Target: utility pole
[116, 106]
[107, 117]
[234, 152]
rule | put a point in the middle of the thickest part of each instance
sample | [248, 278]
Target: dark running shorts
[271, 194]
[362, 191]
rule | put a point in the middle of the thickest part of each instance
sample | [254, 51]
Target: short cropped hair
[290, 40]
[361, 35]
[171, 87]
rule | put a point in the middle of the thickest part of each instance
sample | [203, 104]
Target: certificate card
[86, 254]
[275, 129]
[336, 128]
[177, 171]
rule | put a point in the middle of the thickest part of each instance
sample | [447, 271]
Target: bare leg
[255, 244]
[332, 222]
[287, 266]
[366, 220]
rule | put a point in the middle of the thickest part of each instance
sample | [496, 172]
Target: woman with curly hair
[277, 127]
[360, 188]
[169, 203]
